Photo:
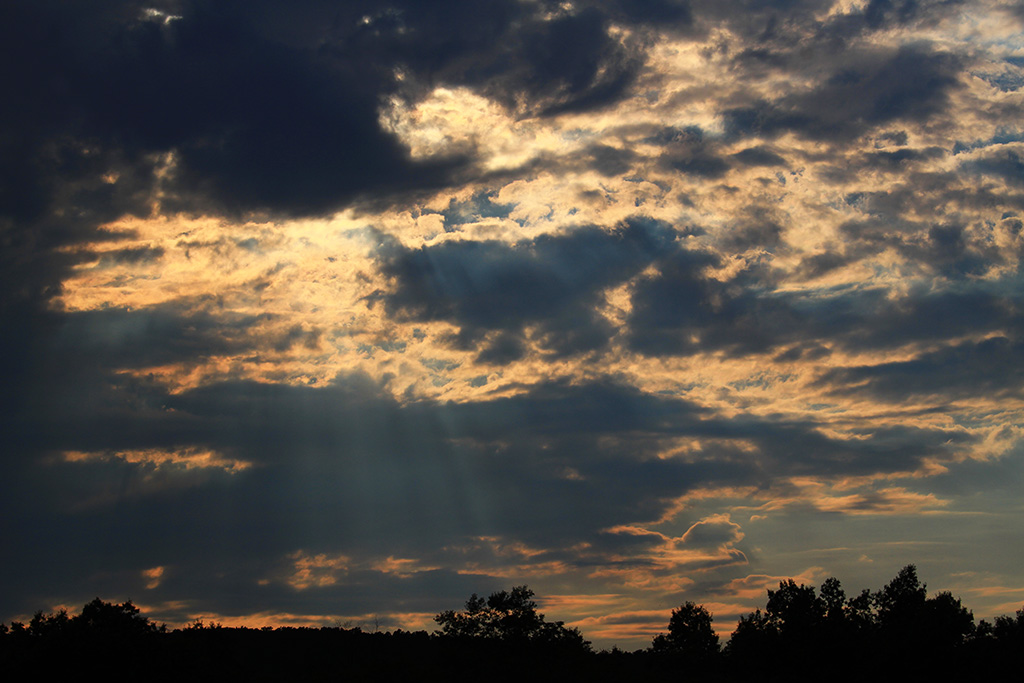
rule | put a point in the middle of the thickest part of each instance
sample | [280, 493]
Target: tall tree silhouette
[509, 616]
[689, 633]
[795, 611]
[898, 629]
[901, 603]
[1010, 629]
[107, 619]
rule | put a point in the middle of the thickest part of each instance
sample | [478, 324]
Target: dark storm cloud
[681, 310]
[950, 250]
[689, 151]
[757, 21]
[261, 111]
[538, 58]
[758, 156]
[820, 264]
[346, 468]
[94, 94]
[576, 63]
[759, 228]
[102, 84]
[1004, 164]
[934, 316]
[258, 123]
[987, 368]
[335, 451]
[69, 383]
[898, 138]
[118, 338]
[790, 34]
[560, 425]
[909, 84]
[879, 15]
[270, 114]
[109, 340]
[553, 280]
[916, 194]
[898, 160]
[437, 473]
[669, 14]
[608, 161]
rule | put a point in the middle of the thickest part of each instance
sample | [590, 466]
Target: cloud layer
[358, 308]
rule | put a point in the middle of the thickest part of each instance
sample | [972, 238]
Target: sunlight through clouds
[361, 308]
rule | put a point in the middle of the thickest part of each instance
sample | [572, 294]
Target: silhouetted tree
[1010, 630]
[860, 612]
[833, 598]
[898, 629]
[756, 639]
[107, 619]
[895, 633]
[795, 611]
[50, 625]
[510, 617]
[788, 635]
[689, 633]
[901, 603]
[947, 623]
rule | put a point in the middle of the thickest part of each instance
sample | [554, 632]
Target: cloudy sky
[343, 312]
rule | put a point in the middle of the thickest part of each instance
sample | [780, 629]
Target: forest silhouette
[803, 633]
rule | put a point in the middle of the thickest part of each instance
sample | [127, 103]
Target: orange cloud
[154, 576]
[317, 571]
[189, 458]
[757, 585]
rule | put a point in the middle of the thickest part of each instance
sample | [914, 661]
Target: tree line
[896, 632]
[803, 633]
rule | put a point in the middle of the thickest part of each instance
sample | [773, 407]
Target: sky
[335, 313]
